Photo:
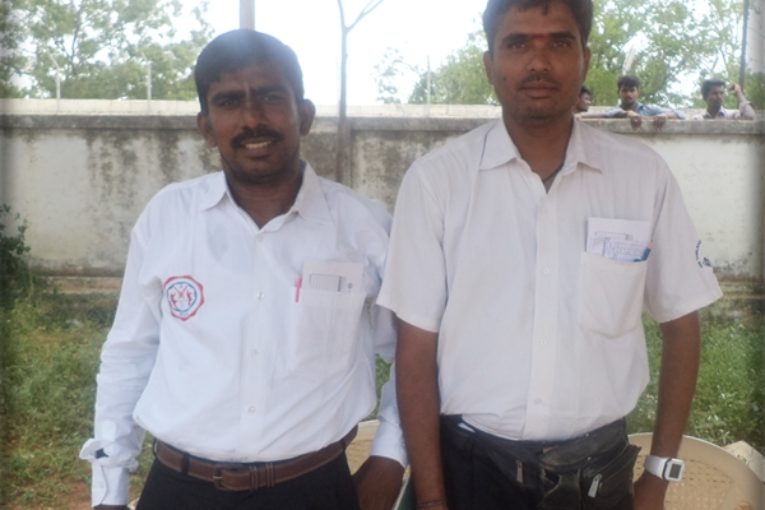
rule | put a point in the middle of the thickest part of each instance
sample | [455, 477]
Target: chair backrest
[714, 479]
[359, 449]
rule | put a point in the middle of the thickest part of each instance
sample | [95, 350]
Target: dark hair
[495, 9]
[709, 84]
[240, 48]
[627, 81]
[585, 90]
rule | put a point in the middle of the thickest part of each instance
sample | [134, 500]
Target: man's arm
[418, 401]
[677, 383]
[127, 358]
[745, 110]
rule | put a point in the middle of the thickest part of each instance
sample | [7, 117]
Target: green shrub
[15, 277]
[730, 393]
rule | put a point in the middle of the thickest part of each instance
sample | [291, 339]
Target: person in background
[245, 336]
[585, 100]
[522, 254]
[630, 107]
[713, 92]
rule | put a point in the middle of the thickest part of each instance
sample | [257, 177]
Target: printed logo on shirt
[185, 296]
[701, 260]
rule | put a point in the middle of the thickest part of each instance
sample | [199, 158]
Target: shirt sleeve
[614, 113]
[389, 439]
[414, 286]
[680, 277]
[745, 110]
[127, 358]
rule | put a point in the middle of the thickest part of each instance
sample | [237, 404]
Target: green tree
[671, 45]
[106, 48]
[461, 80]
[11, 59]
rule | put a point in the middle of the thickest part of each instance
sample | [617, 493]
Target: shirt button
[251, 409]
[546, 271]
[260, 296]
[537, 401]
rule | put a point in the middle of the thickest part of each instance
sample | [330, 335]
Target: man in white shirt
[246, 332]
[521, 257]
[713, 93]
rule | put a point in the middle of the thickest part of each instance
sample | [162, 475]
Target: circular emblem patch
[185, 296]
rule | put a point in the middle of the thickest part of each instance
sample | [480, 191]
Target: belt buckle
[262, 476]
[217, 478]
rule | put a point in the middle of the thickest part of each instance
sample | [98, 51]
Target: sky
[419, 29]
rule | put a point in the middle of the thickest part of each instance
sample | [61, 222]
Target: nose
[252, 113]
[539, 60]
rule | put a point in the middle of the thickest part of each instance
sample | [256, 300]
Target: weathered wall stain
[81, 181]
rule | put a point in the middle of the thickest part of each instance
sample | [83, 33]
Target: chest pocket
[610, 294]
[325, 332]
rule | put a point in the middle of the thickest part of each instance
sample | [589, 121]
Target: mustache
[258, 132]
[538, 78]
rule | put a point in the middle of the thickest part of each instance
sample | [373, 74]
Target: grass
[50, 353]
[730, 394]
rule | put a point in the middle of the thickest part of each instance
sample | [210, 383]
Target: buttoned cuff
[389, 442]
[109, 485]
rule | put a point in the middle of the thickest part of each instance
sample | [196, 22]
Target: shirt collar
[310, 203]
[722, 113]
[213, 191]
[499, 149]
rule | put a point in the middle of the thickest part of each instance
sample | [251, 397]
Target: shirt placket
[544, 335]
[255, 349]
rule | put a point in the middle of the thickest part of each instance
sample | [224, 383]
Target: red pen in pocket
[298, 286]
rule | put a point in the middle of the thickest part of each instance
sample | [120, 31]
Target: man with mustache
[245, 337]
[521, 256]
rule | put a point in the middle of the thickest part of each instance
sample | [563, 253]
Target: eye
[516, 43]
[274, 97]
[562, 43]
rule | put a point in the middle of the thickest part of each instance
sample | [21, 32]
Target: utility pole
[247, 14]
[744, 40]
[58, 81]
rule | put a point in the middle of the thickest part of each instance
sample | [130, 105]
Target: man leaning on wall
[713, 93]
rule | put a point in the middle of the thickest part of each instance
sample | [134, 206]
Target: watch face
[673, 470]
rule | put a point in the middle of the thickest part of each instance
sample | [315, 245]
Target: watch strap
[657, 466]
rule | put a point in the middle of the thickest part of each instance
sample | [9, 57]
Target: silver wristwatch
[666, 468]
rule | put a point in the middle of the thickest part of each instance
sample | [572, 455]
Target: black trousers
[328, 488]
[474, 481]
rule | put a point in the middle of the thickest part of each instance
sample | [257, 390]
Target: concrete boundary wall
[79, 172]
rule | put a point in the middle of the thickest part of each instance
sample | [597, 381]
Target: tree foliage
[461, 80]
[671, 45]
[101, 48]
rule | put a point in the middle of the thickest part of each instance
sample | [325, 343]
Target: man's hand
[649, 492]
[659, 121]
[635, 119]
[378, 482]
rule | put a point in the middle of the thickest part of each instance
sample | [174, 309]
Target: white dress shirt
[538, 339]
[220, 347]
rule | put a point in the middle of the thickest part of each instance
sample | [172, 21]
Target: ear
[587, 56]
[204, 126]
[306, 112]
[488, 66]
